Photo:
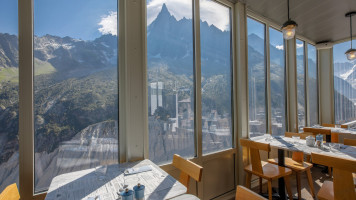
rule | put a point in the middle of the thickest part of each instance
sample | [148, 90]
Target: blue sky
[75, 18]
[82, 19]
[340, 49]
[8, 16]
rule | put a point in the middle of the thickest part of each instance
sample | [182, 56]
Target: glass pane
[300, 84]
[256, 77]
[9, 79]
[344, 85]
[277, 74]
[170, 73]
[313, 86]
[75, 88]
[216, 83]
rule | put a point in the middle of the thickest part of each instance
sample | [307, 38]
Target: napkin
[138, 169]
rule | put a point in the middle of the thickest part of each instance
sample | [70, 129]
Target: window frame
[307, 42]
[26, 99]
[306, 93]
[267, 67]
[269, 23]
[346, 40]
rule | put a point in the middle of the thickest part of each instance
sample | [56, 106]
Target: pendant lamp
[289, 27]
[351, 53]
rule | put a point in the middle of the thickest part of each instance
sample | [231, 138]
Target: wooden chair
[10, 193]
[350, 142]
[317, 131]
[342, 186]
[263, 169]
[333, 125]
[188, 170]
[297, 164]
[243, 193]
[343, 136]
[334, 135]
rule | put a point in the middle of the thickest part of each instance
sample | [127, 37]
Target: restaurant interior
[177, 99]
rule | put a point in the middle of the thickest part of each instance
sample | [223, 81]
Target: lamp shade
[288, 29]
[351, 54]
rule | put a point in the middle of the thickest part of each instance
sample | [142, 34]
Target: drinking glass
[268, 137]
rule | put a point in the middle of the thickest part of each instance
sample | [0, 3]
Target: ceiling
[318, 20]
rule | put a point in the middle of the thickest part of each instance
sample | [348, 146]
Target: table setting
[128, 181]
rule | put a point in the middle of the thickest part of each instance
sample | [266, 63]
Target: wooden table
[285, 143]
[334, 130]
[92, 183]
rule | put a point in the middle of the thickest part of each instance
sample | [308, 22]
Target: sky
[211, 12]
[340, 49]
[89, 19]
[80, 19]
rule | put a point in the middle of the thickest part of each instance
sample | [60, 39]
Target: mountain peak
[164, 8]
[164, 11]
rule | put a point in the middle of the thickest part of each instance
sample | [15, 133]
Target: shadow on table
[164, 188]
[85, 185]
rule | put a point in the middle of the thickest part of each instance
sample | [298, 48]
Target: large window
[172, 84]
[9, 79]
[300, 84]
[170, 72]
[277, 78]
[312, 86]
[216, 74]
[75, 86]
[256, 77]
[344, 85]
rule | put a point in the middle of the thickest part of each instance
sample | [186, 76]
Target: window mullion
[268, 81]
[197, 79]
[26, 113]
[306, 77]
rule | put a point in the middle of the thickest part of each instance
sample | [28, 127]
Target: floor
[318, 176]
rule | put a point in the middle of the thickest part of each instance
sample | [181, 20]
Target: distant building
[155, 97]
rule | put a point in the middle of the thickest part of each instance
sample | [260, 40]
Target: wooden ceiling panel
[318, 20]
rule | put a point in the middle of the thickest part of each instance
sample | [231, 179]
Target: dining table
[334, 130]
[289, 144]
[107, 181]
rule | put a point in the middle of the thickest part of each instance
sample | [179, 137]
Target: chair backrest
[343, 136]
[243, 193]
[316, 131]
[344, 187]
[255, 148]
[10, 193]
[301, 135]
[187, 169]
[333, 125]
[350, 142]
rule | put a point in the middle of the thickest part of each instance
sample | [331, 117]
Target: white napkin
[138, 170]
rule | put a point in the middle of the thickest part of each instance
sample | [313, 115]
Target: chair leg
[289, 191]
[248, 180]
[329, 171]
[269, 189]
[310, 181]
[299, 186]
[260, 185]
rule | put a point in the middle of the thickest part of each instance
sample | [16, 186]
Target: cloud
[211, 12]
[300, 45]
[280, 47]
[215, 14]
[108, 24]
